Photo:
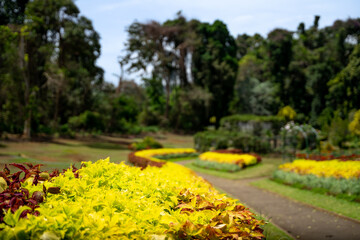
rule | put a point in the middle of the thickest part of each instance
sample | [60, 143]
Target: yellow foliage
[332, 168]
[354, 126]
[287, 112]
[116, 201]
[239, 159]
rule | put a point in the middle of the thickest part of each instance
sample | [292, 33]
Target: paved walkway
[299, 220]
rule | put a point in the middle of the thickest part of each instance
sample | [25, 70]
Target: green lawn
[61, 153]
[330, 203]
[265, 168]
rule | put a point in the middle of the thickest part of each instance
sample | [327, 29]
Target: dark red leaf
[37, 167]
[25, 192]
[29, 165]
[21, 167]
[38, 196]
[6, 170]
[32, 201]
[36, 180]
[24, 213]
[54, 190]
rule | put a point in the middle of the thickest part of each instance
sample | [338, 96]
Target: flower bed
[144, 158]
[108, 200]
[238, 159]
[334, 176]
[226, 160]
[331, 168]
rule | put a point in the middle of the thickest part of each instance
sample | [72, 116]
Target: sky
[111, 18]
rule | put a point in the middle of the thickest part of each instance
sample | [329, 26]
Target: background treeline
[192, 72]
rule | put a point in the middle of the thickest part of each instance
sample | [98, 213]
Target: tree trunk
[121, 77]
[182, 66]
[24, 70]
[167, 87]
[56, 113]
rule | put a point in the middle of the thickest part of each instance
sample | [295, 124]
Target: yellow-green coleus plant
[116, 201]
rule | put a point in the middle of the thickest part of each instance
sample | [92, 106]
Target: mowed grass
[61, 153]
[263, 169]
[330, 203]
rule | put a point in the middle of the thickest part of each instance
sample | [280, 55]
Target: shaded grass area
[60, 156]
[106, 146]
[330, 203]
[271, 231]
[265, 168]
[61, 153]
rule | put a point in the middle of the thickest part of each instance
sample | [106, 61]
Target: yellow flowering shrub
[332, 168]
[238, 159]
[116, 201]
[161, 151]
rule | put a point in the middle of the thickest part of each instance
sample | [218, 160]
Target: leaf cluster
[111, 200]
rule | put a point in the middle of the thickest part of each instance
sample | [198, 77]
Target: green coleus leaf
[12, 219]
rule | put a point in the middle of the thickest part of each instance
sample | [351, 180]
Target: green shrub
[252, 123]
[65, 131]
[224, 167]
[87, 121]
[326, 184]
[176, 155]
[146, 143]
[209, 140]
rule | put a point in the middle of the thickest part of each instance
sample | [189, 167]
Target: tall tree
[155, 44]
[214, 65]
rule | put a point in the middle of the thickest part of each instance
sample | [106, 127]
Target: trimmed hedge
[328, 184]
[224, 167]
[176, 155]
[210, 140]
[252, 123]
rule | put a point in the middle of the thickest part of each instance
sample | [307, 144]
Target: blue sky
[111, 17]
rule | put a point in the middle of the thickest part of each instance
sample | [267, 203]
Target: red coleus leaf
[6, 170]
[29, 165]
[21, 167]
[53, 190]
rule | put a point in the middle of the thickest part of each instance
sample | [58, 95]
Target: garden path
[298, 220]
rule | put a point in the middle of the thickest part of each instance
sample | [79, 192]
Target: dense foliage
[199, 71]
[210, 140]
[154, 203]
[146, 143]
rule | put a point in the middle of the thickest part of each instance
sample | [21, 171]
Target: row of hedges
[329, 184]
[252, 124]
[210, 140]
[223, 167]
[227, 160]
[332, 177]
